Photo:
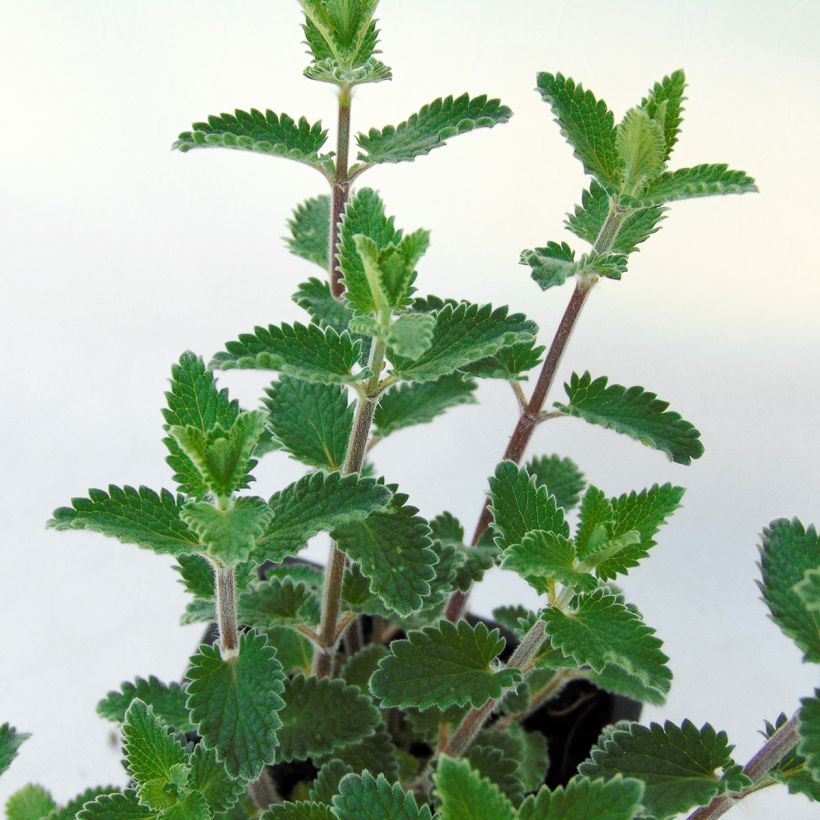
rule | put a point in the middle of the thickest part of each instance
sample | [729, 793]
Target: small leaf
[72, 809]
[303, 352]
[342, 30]
[167, 701]
[551, 265]
[701, 180]
[446, 665]
[324, 308]
[602, 631]
[430, 128]
[808, 728]
[116, 806]
[266, 133]
[519, 505]
[278, 602]
[634, 412]
[359, 668]
[511, 363]
[499, 768]
[808, 590]
[29, 803]
[234, 703]
[322, 715]
[327, 781]
[10, 742]
[293, 650]
[407, 404]
[561, 476]
[376, 753]
[465, 795]
[664, 104]
[616, 799]
[586, 123]
[465, 334]
[131, 516]
[317, 502]
[364, 796]
[641, 149]
[331, 71]
[542, 557]
[310, 230]
[301, 810]
[411, 334]
[788, 550]
[210, 778]
[678, 765]
[228, 535]
[312, 422]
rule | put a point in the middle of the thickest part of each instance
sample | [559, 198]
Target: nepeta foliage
[364, 683]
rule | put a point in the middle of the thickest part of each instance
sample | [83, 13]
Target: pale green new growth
[30, 803]
[229, 535]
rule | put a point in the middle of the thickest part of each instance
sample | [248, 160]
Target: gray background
[117, 254]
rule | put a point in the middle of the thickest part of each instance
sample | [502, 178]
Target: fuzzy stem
[531, 413]
[226, 611]
[770, 754]
[341, 187]
[335, 571]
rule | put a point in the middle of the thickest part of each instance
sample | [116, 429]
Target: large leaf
[304, 352]
[641, 146]
[167, 701]
[634, 412]
[407, 404]
[561, 476]
[320, 716]
[317, 502]
[586, 123]
[394, 551]
[583, 799]
[602, 631]
[465, 334]
[788, 550]
[680, 766]
[10, 742]
[310, 230]
[311, 421]
[364, 796]
[445, 665]
[131, 516]
[234, 703]
[701, 180]
[430, 128]
[116, 806]
[267, 133]
[465, 795]
[72, 809]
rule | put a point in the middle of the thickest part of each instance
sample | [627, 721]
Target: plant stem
[334, 573]
[341, 187]
[559, 680]
[226, 611]
[531, 412]
[769, 755]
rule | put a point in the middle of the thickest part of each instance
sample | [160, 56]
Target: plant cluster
[367, 677]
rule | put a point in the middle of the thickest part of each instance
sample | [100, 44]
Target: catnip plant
[364, 690]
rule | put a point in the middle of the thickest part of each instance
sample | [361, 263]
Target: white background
[117, 254]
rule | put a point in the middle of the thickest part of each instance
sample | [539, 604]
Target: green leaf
[634, 412]
[210, 778]
[519, 505]
[581, 799]
[542, 557]
[302, 810]
[155, 759]
[167, 701]
[614, 678]
[10, 742]
[310, 230]
[266, 133]
[322, 715]
[701, 180]
[588, 218]
[223, 456]
[561, 476]
[29, 803]
[196, 575]
[341, 29]
[327, 781]
[116, 806]
[499, 768]
[131, 516]
[304, 352]
[311, 421]
[407, 404]
[664, 104]
[331, 71]
[293, 651]
[808, 728]
[72, 809]
[551, 265]
[792, 771]
[376, 753]
[411, 334]
[788, 550]
[194, 401]
[535, 764]
[362, 796]
[234, 703]
[315, 297]
[317, 502]
[586, 123]
[430, 128]
[359, 668]
[278, 602]
[228, 535]
[678, 765]
[511, 363]
[394, 551]
[641, 147]
[602, 631]
[808, 590]
[466, 795]
[464, 334]
[445, 665]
